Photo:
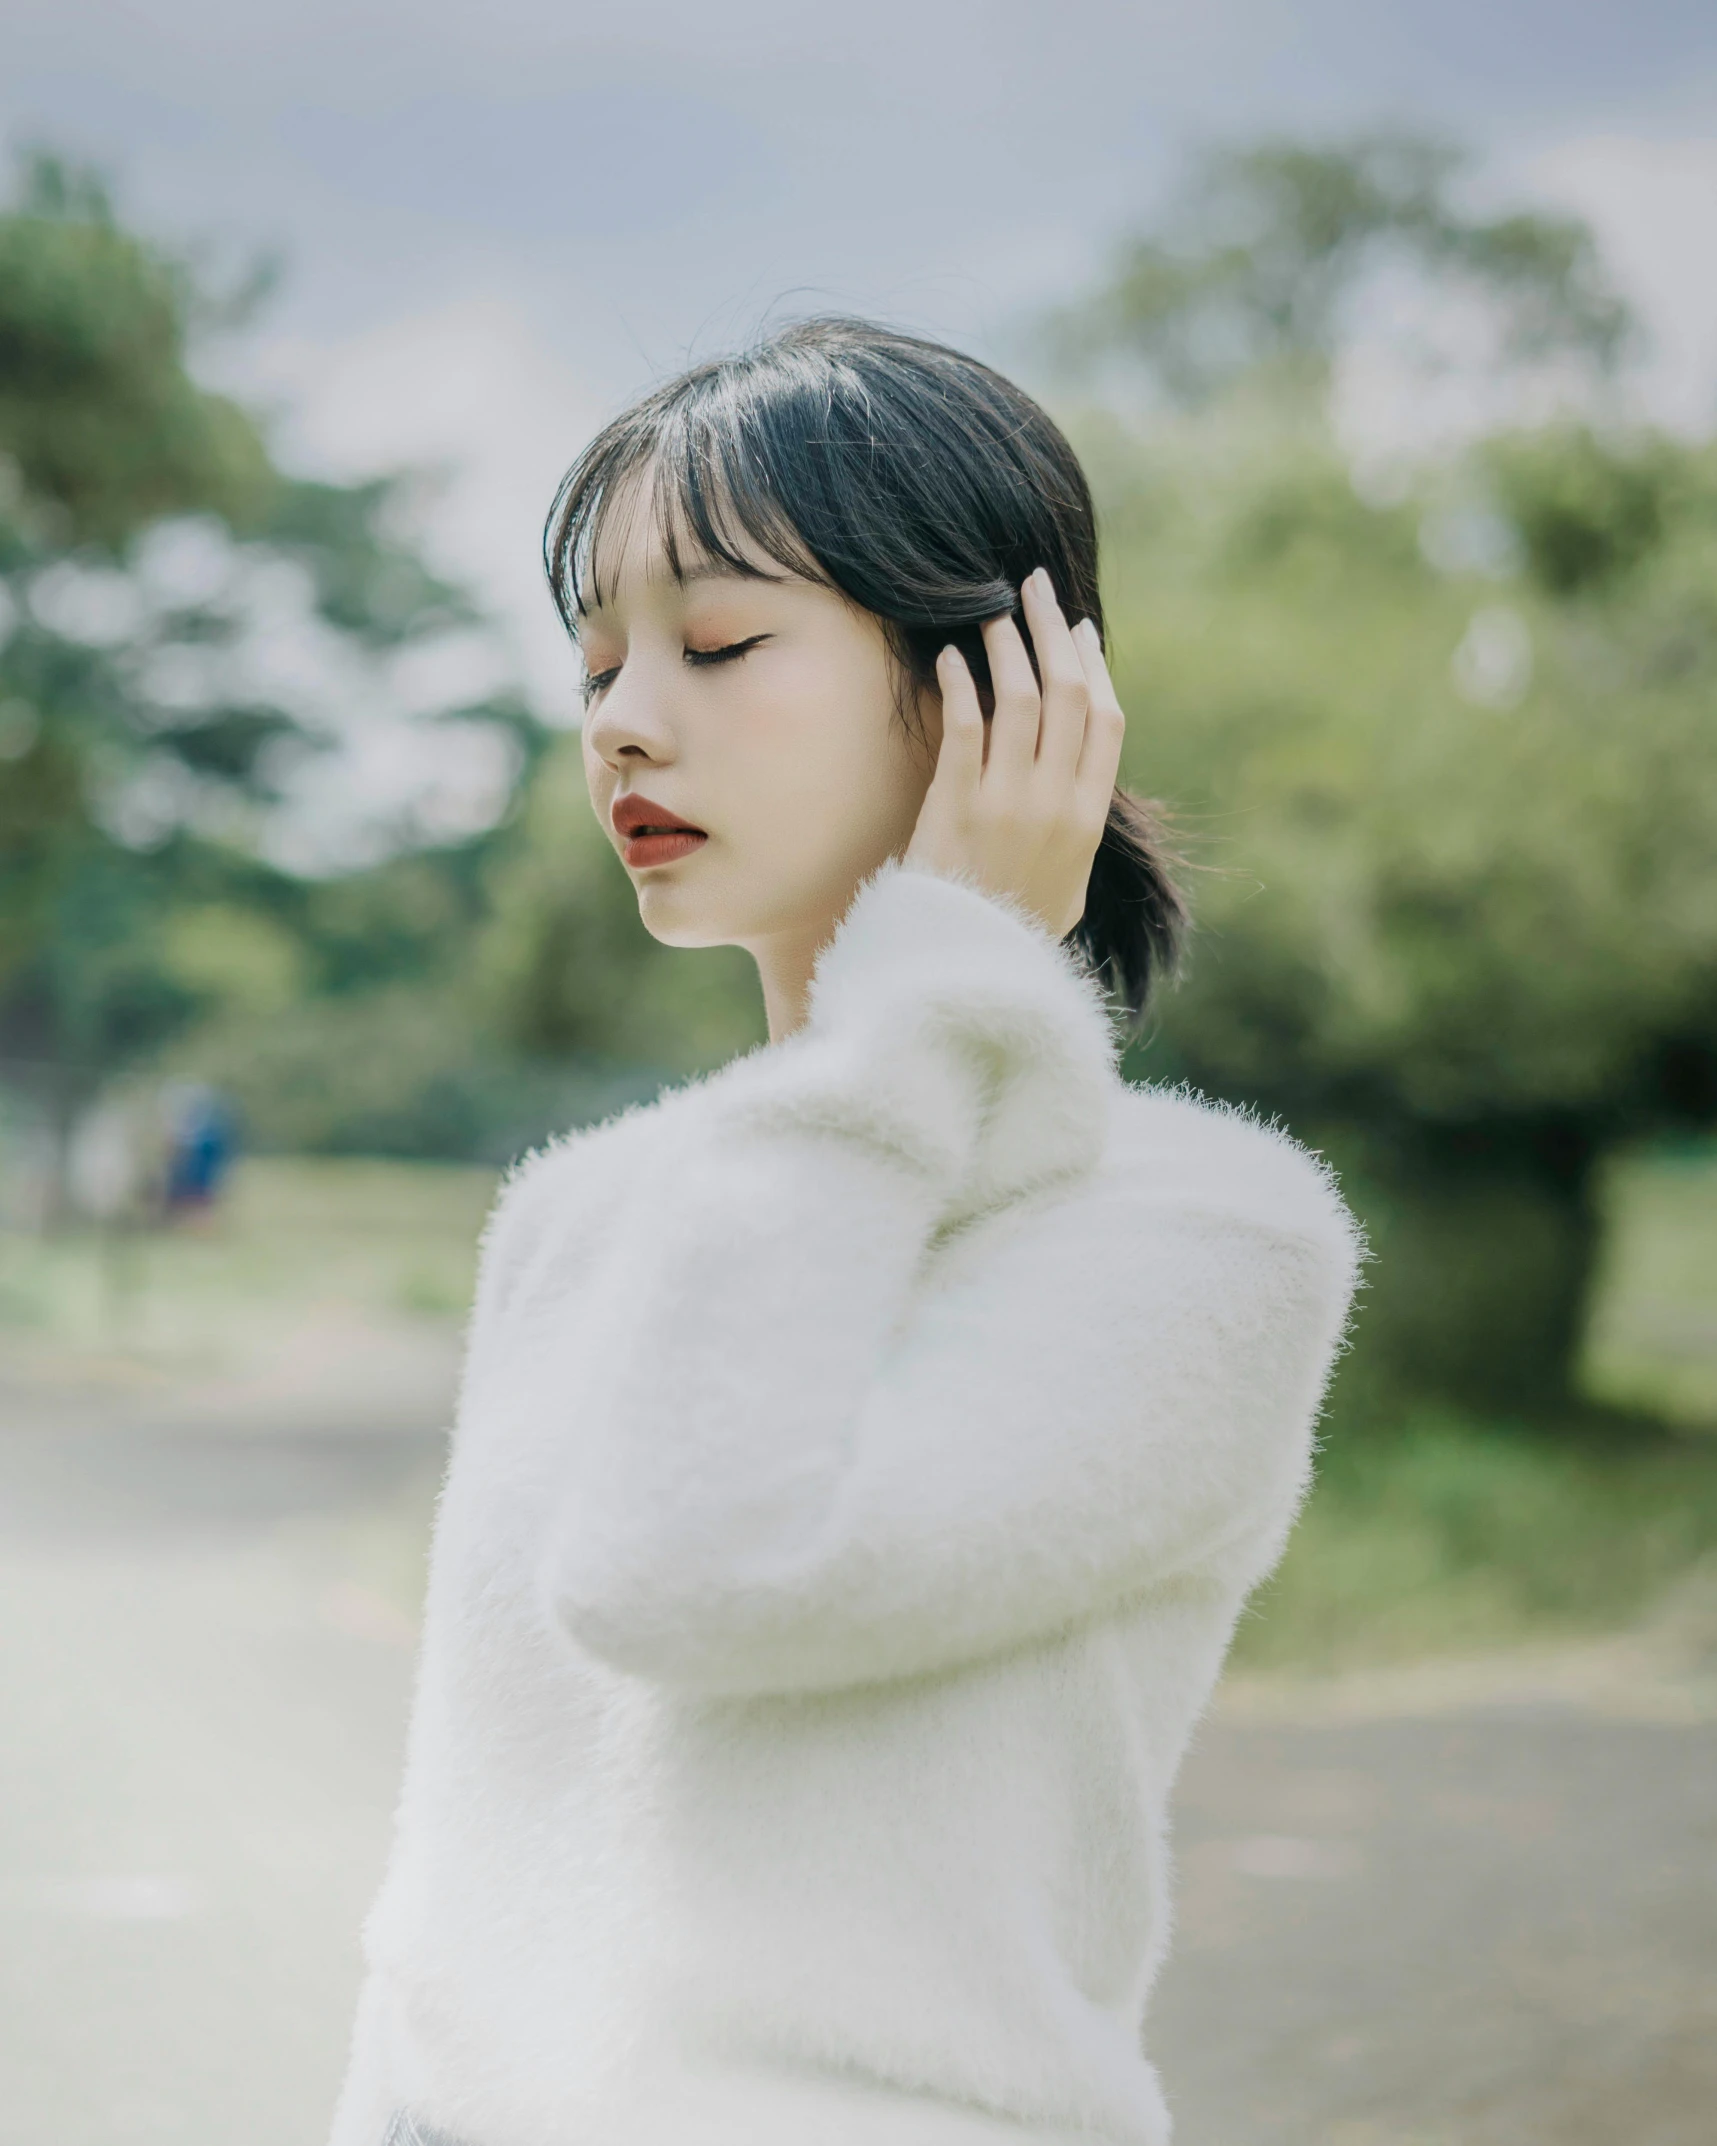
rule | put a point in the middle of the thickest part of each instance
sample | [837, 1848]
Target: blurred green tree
[1448, 755]
[1260, 257]
[153, 561]
[104, 427]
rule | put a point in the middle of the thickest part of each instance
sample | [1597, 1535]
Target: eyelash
[698, 658]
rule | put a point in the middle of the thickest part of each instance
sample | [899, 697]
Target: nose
[629, 724]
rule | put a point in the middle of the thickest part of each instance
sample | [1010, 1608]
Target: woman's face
[762, 713]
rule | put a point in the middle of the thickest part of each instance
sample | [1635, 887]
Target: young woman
[863, 1452]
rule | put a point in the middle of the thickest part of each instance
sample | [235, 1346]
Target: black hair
[921, 485]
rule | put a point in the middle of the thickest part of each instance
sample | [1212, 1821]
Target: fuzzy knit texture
[862, 1457]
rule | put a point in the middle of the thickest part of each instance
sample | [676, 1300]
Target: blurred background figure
[1405, 436]
[200, 1143]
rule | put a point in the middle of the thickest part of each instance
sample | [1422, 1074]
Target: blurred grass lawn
[1653, 1344]
[1450, 1534]
[1445, 1534]
[386, 1240]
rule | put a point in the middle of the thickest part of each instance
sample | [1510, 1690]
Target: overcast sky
[499, 221]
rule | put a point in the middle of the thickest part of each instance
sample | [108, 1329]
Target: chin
[675, 917]
[687, 915]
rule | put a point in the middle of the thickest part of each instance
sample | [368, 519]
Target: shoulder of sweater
[570, 1171]
[562, 1173]
[1177, 1145]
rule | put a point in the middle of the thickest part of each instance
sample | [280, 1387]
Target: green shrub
[1460, 1534]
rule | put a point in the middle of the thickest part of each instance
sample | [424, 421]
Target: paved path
[1492, 1927]
[1490, 1930]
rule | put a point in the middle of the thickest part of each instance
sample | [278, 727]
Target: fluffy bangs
[687, 458]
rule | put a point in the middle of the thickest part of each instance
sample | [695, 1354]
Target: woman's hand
[1020, 809]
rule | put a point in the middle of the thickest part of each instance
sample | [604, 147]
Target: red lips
[650, 833]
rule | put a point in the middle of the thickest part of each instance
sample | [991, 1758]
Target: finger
[960, 758]
[1019, 705]
[1066, 695]
[1105, 726]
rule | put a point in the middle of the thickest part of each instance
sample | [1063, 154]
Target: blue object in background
[200, 1147]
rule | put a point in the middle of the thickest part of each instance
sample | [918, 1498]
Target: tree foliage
[1446, 758]
[1462, 823]
[162, 586]
[1256, 264]
[98, 413]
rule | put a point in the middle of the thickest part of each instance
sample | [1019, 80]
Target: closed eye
[599, 681]
[698, 657]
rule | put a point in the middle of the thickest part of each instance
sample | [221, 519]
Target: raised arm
[797, 1456]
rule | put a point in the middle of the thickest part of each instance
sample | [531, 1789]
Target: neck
[785, 961]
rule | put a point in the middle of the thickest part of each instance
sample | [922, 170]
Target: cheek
[824, 736]
[599, 780]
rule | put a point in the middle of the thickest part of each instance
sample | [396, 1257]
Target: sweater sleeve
[795, 1460]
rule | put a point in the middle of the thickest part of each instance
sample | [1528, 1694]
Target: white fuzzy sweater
[862, 1457]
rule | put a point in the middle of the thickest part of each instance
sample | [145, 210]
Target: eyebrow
[703, 570]
[714, 570]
